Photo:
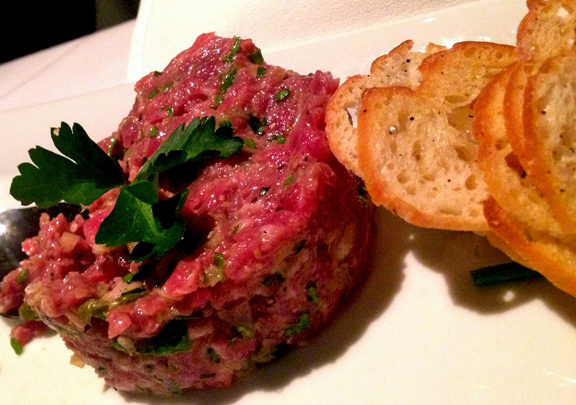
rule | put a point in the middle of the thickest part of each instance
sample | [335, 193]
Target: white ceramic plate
[418, 332]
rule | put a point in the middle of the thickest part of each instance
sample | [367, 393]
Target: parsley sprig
[86, 172]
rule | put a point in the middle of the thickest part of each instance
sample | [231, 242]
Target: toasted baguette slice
[549, 256]
[547, 29]
[505, 177]
[416, 150]
[549, 149]
[398, 67]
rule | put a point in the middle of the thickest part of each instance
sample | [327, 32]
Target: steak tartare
[276, 234]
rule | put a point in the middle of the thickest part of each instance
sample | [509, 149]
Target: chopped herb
[312, 294]
[278, 138]
[227, 80]
[212, 355]
[27, 313]
[234, 51]
[245, 332]
[257, 125]
[101, 370]
[157, 73]
[256, 57]
[128, 277]
[502, 273]
[153, 94]
[118, 346]
[219, 100]
[22, 277]
[263, 191]
[18, 349]
[282, 94]
[289, 180]
[302, 324]
[170, 111]
[260, 72]
[250, 143]
[235, 229]
[153, 132]
[160, 89]
[173, 338]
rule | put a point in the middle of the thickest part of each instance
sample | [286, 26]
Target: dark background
[30, 26]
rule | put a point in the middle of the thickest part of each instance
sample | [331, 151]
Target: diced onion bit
[75, 360]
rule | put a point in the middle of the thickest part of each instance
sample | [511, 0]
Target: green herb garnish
[312, 294]
[257, 125]
[234, 51]
[303, 323]
[260, 72]
[282, 94]
[173, 338]
[250, 143]
[502, 273]
[138, 215]
[212, 355]
[289, 180]
[153, 132]
[227, 80]
[26, 313]
[80, 177]
[256, 57]
[18, 349]
[22, 277]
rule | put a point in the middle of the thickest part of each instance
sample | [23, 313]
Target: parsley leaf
[81, 176]
[199, 140]
[135, 218]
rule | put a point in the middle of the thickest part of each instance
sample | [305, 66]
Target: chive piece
[219, 100]
[234, 51]
[235, 230]
[282, 94]
[170, 111]
[18, 349]
[313, 295]
[303, 323]
[502, 273]
[213, 356]
[289, 180]
[260, 72]
[157, 73]
[227, 80]
[249, 142]
[280, 139]
[257, 125]
[153, 132]
[22, 277]
[153, 94]
[256, 57]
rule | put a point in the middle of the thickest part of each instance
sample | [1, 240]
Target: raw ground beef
[277, 235]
